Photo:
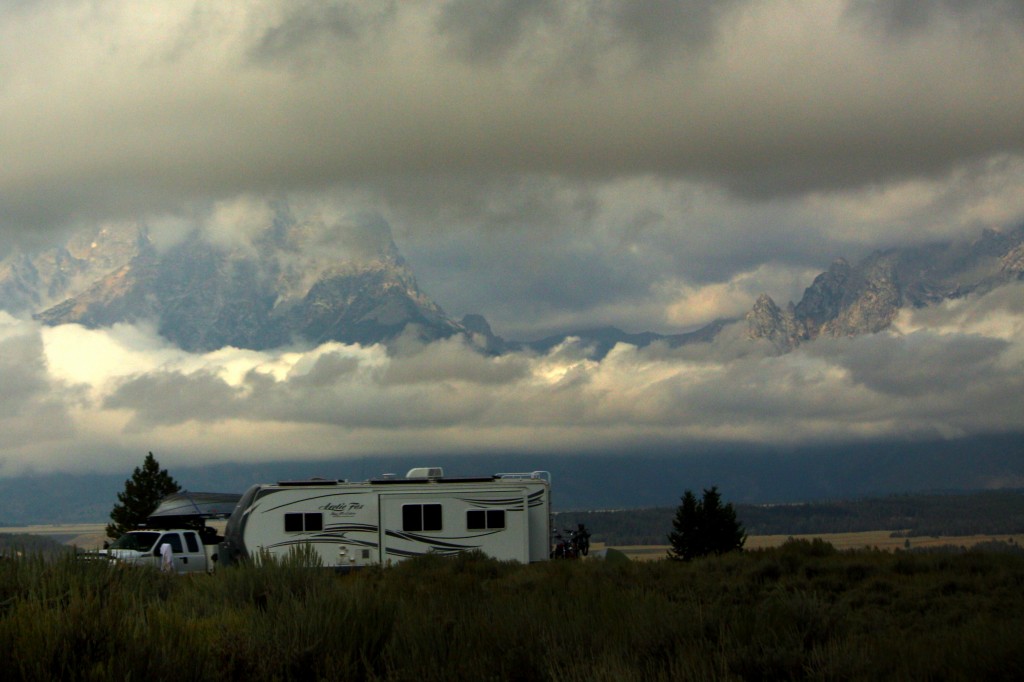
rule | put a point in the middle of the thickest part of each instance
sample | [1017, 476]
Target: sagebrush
[800, 611]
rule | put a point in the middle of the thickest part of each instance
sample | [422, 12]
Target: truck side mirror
[156, 552]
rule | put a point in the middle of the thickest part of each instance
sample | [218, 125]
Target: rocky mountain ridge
[292, 283]
[847, 300]
[30, 282]
[274, 290]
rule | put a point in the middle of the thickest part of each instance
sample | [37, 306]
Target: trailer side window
[480, 519]
[421, 517]
[314, 521]
[296, 523]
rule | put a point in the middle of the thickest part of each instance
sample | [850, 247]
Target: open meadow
[884, 540]
[90, 536]
[802, 610]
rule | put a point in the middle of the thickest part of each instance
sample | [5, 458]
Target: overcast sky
[551, 165]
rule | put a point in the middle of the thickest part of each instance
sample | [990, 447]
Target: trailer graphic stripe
[302, 500]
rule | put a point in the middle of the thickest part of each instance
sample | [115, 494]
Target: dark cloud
[581, 33]
[33, 409]
[506, 251]
[308, 32]
[174, 398]
[526, 270]
[921, 364]
[830, 389]
[550, 165]
[959, 377]
[663, 27]
[22, 374]
[909, 16]
[328, 370]
[487, 31]
[450, 362]
[785, 100]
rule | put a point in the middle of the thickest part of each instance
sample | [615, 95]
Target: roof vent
[425, 472]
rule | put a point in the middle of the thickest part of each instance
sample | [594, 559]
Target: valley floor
[875, 539]
[91, 536]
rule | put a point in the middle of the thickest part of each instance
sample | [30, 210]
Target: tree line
[992, 512]
[701, 527]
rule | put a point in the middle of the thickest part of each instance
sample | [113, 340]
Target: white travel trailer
[388, 519]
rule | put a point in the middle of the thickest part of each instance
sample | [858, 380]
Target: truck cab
[181, 520]
[142, 548]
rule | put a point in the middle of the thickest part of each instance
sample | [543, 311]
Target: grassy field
[876, 539]
[800, 611]
[92, 536]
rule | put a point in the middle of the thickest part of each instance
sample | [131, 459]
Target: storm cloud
[552, 165]
[348, 401]
[123, 107]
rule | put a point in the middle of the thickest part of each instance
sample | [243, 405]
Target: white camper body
[385, 520]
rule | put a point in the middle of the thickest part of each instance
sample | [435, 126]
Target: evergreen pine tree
[142, 493]
[723, 533]
[704, 527]
[685, 538]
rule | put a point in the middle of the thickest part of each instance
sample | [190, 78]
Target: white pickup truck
[142, 548]
[180, 520]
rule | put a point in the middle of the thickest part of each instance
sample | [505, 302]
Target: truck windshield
[138, 541]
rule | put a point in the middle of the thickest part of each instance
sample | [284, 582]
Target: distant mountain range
[591, 480]
[847, 300]
[287, 284]
[278, 288]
